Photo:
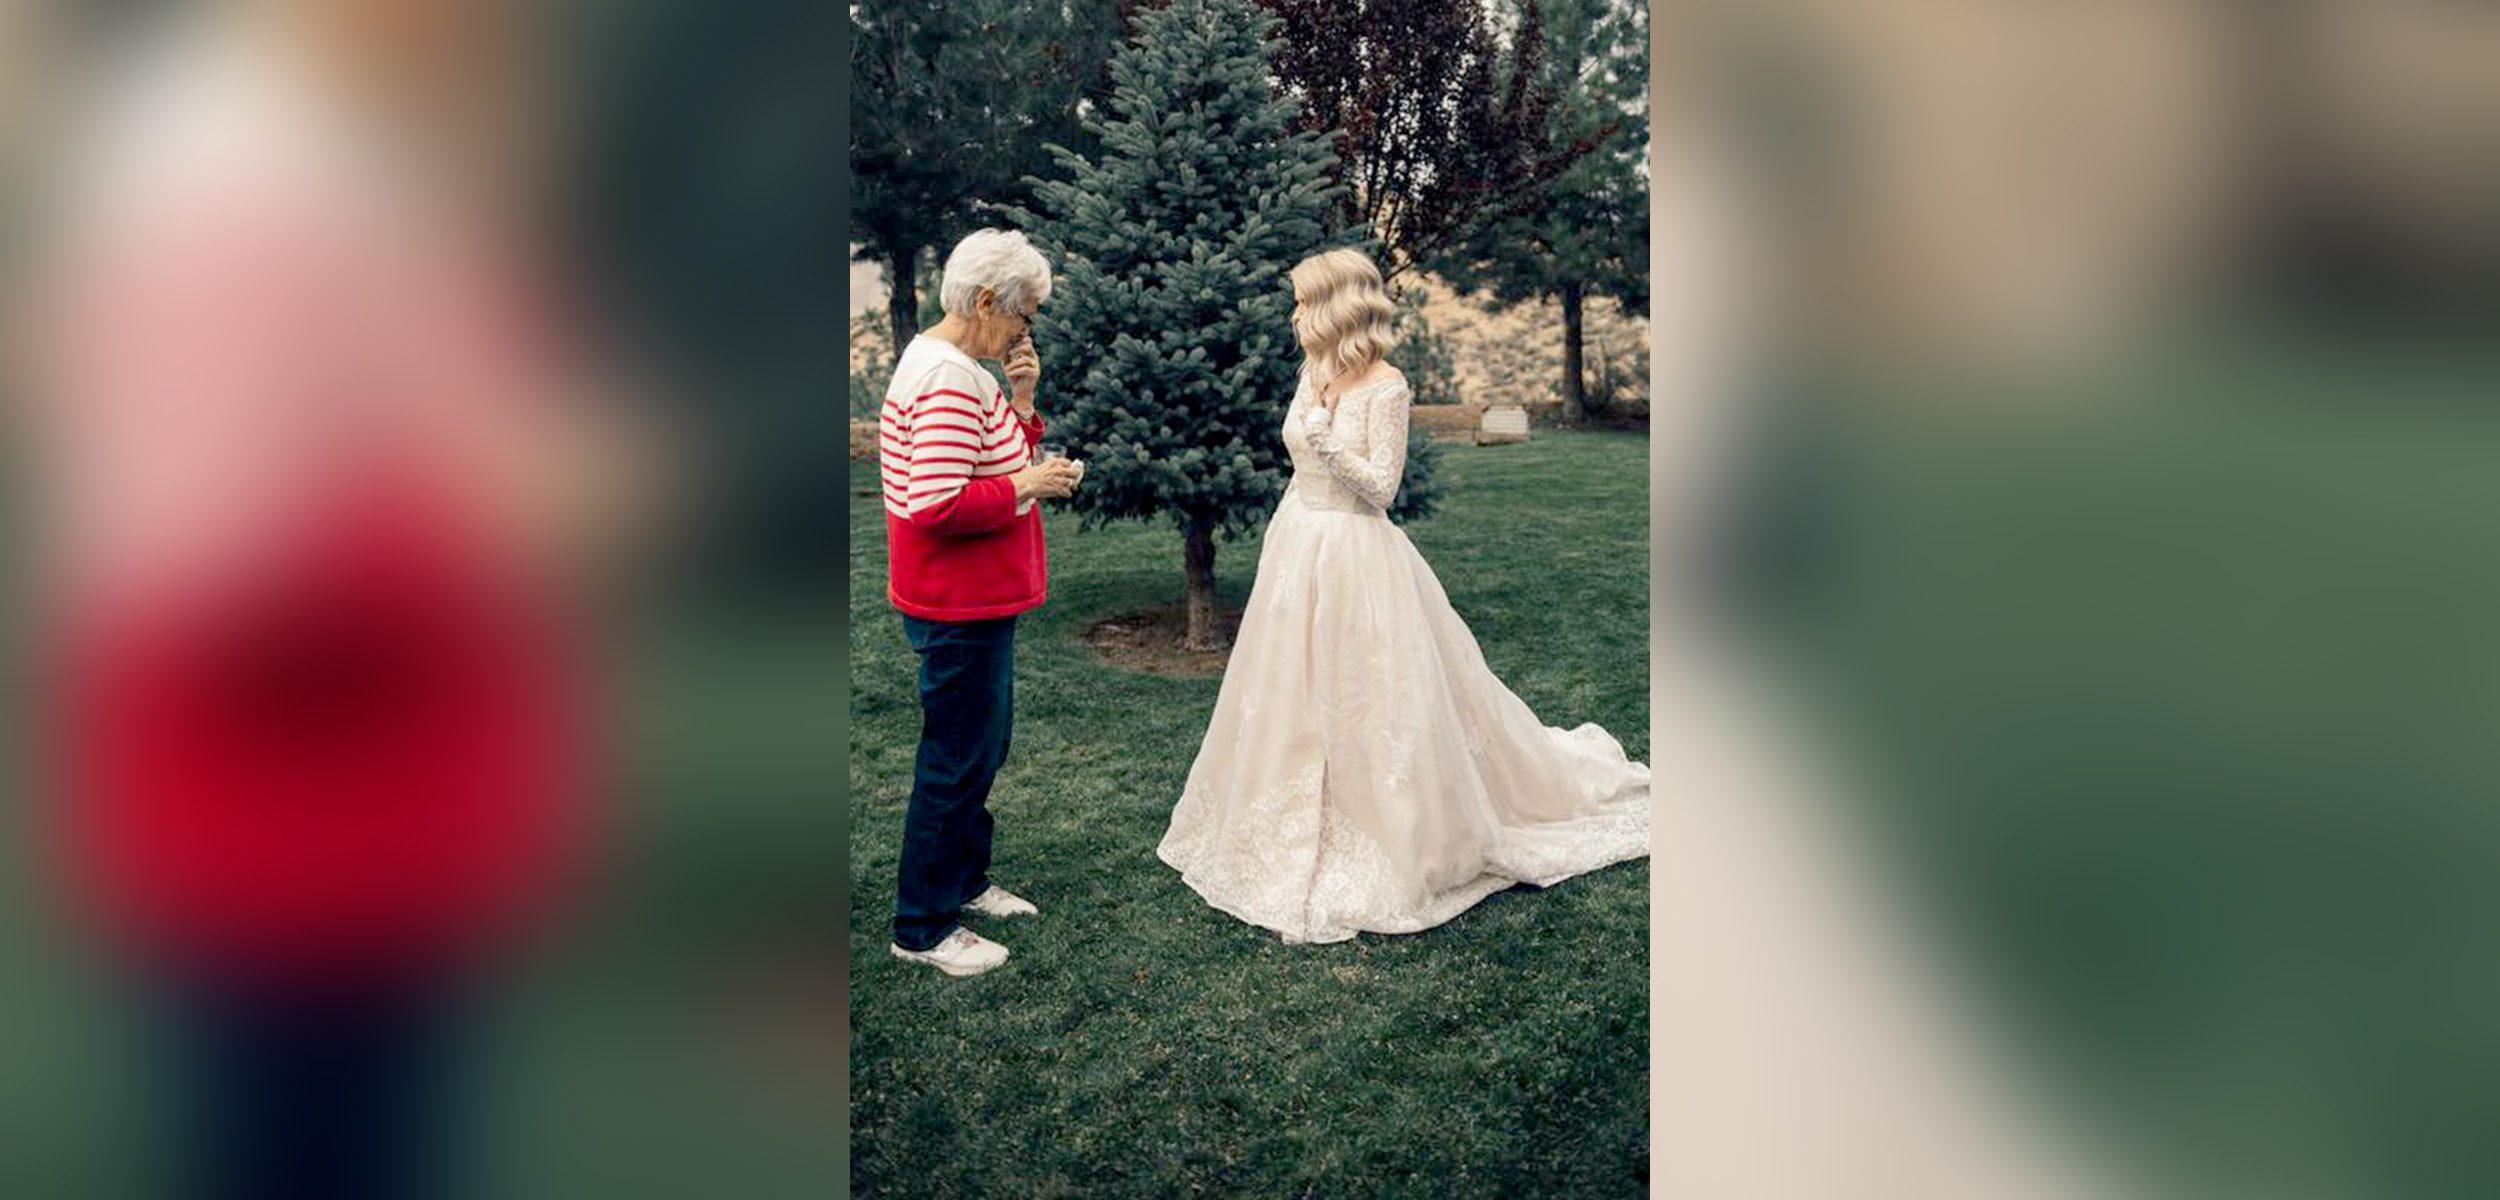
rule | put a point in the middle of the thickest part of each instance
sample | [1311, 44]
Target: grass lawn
[1142, 1044]
[677, 1042]
[2180, 695]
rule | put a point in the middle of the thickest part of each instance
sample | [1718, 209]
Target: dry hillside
[1508, 355]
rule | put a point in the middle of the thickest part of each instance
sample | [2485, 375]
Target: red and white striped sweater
[957, 547]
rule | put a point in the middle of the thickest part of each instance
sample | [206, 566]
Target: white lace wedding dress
[1364, 770]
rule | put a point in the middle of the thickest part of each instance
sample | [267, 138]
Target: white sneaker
[999, 902]
[962, 953]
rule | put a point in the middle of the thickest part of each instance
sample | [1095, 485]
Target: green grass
[1142, 1044]
[627, 1058]
[2178, 696]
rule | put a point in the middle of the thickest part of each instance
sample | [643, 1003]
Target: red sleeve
[980, 506]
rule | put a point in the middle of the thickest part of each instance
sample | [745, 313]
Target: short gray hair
[1000, 261]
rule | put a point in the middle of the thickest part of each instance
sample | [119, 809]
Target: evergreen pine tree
[1587, 232]
[1168, 353]
[951, 102]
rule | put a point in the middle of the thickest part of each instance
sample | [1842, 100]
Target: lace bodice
[1353, 461]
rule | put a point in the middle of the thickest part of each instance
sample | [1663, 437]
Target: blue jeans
[302, 1097]
[967, 694]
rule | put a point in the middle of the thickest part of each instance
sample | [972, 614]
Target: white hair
[996, 260]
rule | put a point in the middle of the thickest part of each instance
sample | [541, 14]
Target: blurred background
[2099, 404]
[678, 1034]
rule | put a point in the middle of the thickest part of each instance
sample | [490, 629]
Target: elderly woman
[321, 726]
[964, 548]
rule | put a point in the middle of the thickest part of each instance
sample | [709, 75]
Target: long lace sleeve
[1375, 474]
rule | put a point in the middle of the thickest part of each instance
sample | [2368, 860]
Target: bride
[1364, 770]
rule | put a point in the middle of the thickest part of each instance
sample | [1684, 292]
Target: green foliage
[1420, 490]
[1619, 383]
[931, 310]
[1167, 347]
[952, 102]
[1423, 354]
[1590, 224]
[1424, 357]
[872, 362]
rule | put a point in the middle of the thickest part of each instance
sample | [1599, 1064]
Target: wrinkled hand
[1053, 480]
[1024, 369]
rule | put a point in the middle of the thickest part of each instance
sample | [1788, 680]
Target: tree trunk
[1574, 406]
[1198, 551]
[902, 303]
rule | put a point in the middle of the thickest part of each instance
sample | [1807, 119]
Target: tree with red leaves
[1438, 123]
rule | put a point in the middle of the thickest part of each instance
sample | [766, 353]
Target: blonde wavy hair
[1342, 314]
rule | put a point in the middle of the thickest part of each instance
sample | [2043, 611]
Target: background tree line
[1174, 160]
